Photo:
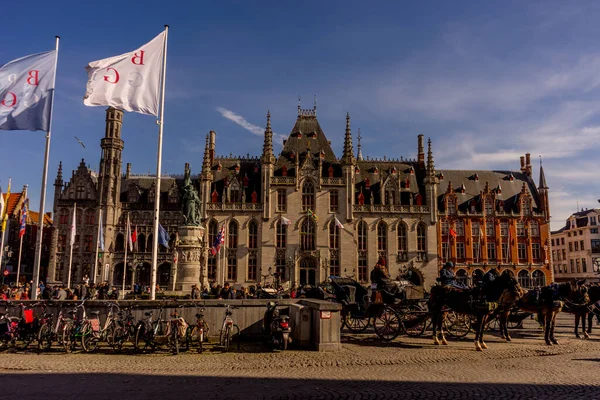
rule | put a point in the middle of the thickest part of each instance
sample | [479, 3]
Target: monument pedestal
[189, 255]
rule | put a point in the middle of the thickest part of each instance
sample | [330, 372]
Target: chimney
[128, 171]
[523, 164]
[528, 164]
[421, 153]
[211, 146]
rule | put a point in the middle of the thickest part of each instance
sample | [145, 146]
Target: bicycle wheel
[45, 337]
[457, 324]
[139, 336]
[67, 337]
[226, 338]
[25, 340]
[108, 333]
[387, 324]
[89, 340]
[173, 340]
[119, 335]
[194, 337]
[354, 323]
[414, 321]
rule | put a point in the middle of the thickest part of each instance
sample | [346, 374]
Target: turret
[58, 184]
[267, 156]
[543, 193]
[267, 168]
[348, 154]
[206, 177]
[421, 150]
[431, 182]
[359, 155]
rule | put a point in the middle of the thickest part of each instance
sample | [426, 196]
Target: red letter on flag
[140, 58]
[14, 100]
[106, 78]
[33, 75]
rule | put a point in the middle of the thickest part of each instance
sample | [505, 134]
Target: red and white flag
[134, 235]
[129, 82]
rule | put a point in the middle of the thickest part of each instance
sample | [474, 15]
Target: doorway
[308, 271]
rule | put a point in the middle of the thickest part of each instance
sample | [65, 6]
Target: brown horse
[547, 302]
[501, 293]
[582, 308]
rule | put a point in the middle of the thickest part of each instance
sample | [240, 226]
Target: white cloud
[250, 127]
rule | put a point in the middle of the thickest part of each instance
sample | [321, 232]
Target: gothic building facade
[301, 215]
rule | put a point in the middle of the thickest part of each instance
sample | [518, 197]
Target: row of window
[477, 231]
[575, 266]
[536, 279]
[491, 255]
[489, 205]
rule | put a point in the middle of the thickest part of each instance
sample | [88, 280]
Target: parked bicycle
[176, 332]
[49, 332]
[18, 332]
[229, 330]
[124, 330]
[92, 334]
[72, 331]
[197, 333]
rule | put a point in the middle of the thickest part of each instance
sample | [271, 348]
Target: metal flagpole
[21, 239]
[2, 227]
[72, 242]
[38, 243]
[128, 234]
[95, 263]
[160, 123]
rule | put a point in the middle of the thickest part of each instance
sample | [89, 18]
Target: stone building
[495, 219]
[576, 247]
[299, 216]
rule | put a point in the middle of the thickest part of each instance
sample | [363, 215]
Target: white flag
[1, 205]
[73, 230]
[285, 221]
[129, 240]
[338, 223]
[129, 82]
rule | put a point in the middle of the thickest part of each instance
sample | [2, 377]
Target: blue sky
[487, 81]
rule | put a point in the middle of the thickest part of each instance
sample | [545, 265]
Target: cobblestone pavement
[365, 368]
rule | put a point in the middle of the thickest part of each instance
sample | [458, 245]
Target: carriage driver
[381, 277]
[447, 276]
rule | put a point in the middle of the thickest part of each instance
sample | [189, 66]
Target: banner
[26, 86]
[73, 228]
[129, 82]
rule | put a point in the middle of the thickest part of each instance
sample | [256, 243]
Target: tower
[206, 178]
[267, 167]
[110, 165]
[543, 193]
[431, 183]
[348, 164]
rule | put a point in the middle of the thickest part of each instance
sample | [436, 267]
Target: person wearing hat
[381, 277]
[447, 276]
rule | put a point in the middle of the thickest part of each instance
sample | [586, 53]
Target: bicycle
[92, 334]
[19, 329]
[198, 332]
[72, 329]
[176, 332]
[146, 330]
[229, 330]
[48, 332]
[124, 330]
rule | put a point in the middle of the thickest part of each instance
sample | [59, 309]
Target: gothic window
[80, 192]
[526, 206]
[90, 217]
[213, 230]
[403, 239]
[64, 217]
[150, 242]
[536, 252]
[232, 235]
[141, 243]
[538, 279]
[281, 238]
[523, 279]
[489, 229]
[382, 237]
[451, 205]
[491, 251]
[62, 241]
[334, 235]
[521, 232]
[120, 242]
[460, 251]
[333, 201]
[445, 227]
[308, 196]
[252, 235]
[460, 228]
[281, 200]
[232, 268]
[234, 195]
[88, 243]
[212, 268]
[390, 193]
[252, 267]
[534, 229]
[522, 252]
[475, 227]
[362, 236]
[280, 267]
[421, 238]
[504, 228]
[307, 235]
[362, 268]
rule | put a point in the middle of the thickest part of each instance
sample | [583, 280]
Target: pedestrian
[61, 294]
[195, 292]
[226, 293]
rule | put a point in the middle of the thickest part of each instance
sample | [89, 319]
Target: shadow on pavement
[134, 386]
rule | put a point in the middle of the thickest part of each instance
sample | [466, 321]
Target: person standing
[195, 292]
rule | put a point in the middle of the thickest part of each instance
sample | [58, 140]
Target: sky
[486, 81]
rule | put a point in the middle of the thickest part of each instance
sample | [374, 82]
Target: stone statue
[190, 200]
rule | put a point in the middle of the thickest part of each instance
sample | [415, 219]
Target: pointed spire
[359, 155]
[430, 164]
[348, 156]
[59, 174]
[268, 157]
[542, 177]
[206, 160]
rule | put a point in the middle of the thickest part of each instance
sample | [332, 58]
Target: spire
[268, 157]
[430, 164]
[206, 160]
[359, 155]
[59, 174]
[542, 177]
[348, 156]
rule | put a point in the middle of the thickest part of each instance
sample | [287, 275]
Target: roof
[12, 203]
[474, 183]
[33, 217]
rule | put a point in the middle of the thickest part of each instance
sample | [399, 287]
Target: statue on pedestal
[190, 200]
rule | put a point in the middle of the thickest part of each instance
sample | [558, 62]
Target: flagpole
[72, 242]
[2, 226]
[128, 234]
[95, 263]
[160, 123]
[38, 243]
[21, 239]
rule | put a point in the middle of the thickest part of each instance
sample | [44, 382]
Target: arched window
[421, 238]
[334, 235]
[90, 216]
[526, 206]
[64, 217]
[521, 232]
[213, 231]
[141, 243]
[232, 235]
[307, 234]
[308, 196]
[382, 237]
[281, 239]
[538, 278]
[120, 242]
[362, 251]
[477, 276]
[524, 279]
[402, 238]
[462, 277]
[150, 243]
[451, 205]
[534, 229]
[252, 235]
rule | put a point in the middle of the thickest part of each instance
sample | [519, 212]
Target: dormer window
[299, 135]
[419, 199]
[511, 177]
[254, 197]
[462, 189]
[376, 171]
[219, 166]
[476, 177]
[489, 206]
[412, 171]
[330, 171]
[451, 205]
[441, 176]
[361, 198]
[526, 206]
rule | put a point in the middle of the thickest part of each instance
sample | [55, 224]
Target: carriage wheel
[387, 324]
[414, 321]
[493, 325]
[457, 324]
[514, 324]
[355, 324]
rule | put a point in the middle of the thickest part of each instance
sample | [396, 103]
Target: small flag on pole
[130, 81]
[129, 237]
[311, 214]
[73, 228]
[23, 226]
[338, 223]
[163, 236]
[285, 221]
[453, 233]
[219, 240]
[26, 87]
[101, 232]
[134, 235]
